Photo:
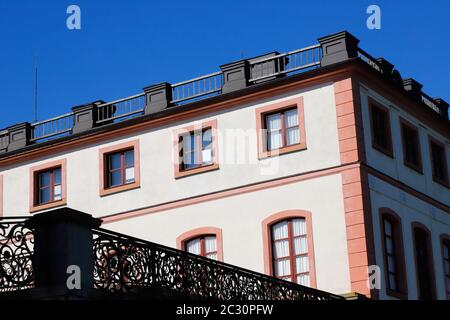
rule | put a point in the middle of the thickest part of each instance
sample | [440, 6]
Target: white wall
[157, 177]
[395, 167]
[410, 209]
[240, 218]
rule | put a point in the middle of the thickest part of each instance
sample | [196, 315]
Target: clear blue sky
[125, 45]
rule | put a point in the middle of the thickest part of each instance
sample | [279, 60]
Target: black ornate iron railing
[124, 264]
[16, 254]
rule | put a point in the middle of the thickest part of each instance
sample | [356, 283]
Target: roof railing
[237, 75]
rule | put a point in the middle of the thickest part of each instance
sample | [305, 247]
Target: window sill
[443, 183]
[122, 188]
[189, 172]
[49, 205]
[284, 150]
[386, 152]
[396, 294]
[416, 168]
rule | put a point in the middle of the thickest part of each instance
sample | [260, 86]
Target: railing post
[4, 141]
[443, 105]
[19, 136]
[413, 87]
[158, 97]
[85, 116]
[236, 75]
[63, 238]
[338, 47]
[266, 68]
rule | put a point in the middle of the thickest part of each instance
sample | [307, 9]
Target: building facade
[312, 166]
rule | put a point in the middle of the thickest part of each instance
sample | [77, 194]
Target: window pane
[292, 136]
[189, 150]
[212, 256]
[57, 176]
[274, 140]
[447, 267]
[303, 280]
[114, 161]
[300, 245]
[391, 264]
[193, 246]
[389, 246]
[446, 251]
[299, 227]
[207, 156]
[115, 178]
[392, 282]
[280, 230]
[281, 249]
[273, 122]
[387, 228]
[44, 179]
[301, 264]
[210, 244]
[291, 118]
[44, 195]
[282, 268]
[57, 193]
[207, 138]
[129, 158]
[129, 175]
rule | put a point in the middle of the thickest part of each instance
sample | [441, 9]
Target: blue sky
[124, 46]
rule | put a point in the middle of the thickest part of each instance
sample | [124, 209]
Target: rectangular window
[282, 129]
[381, 129]
[48, 185]
[438, 162]
[120, 168]
[411, 146]
[196, 149]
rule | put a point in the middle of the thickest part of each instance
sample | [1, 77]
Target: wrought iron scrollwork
[16, 251]
[122, 264]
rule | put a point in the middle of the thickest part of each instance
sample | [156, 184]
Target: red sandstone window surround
[204, 241]
[281, 128]
[48, 186]
[438, 159]
[196, 149]
[288, 247]
[380, 125]
[393, 254]
[119, 168]
[412, 157]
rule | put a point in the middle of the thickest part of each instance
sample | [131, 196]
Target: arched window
[205, 242]
[393, 254]
[424, 262]
[446, 260]
[288, 247]
[205, 246]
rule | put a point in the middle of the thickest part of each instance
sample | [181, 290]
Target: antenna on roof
[36, 66]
